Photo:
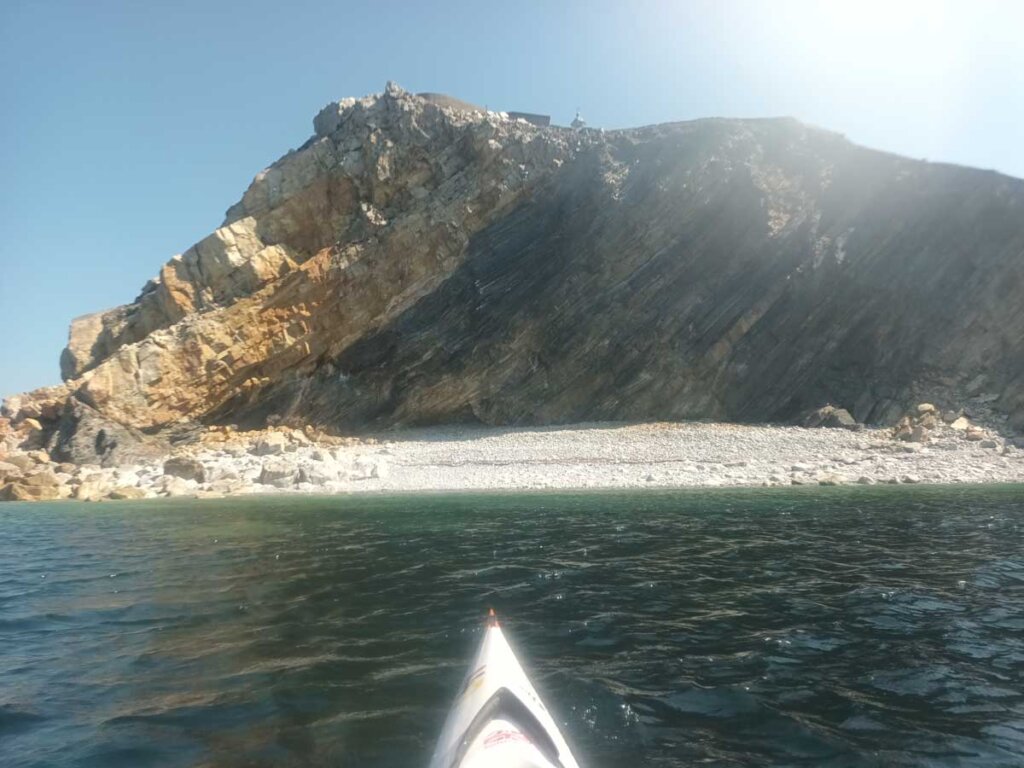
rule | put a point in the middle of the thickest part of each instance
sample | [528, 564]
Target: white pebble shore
[627, 456]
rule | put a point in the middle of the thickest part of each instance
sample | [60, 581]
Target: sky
[128, 128]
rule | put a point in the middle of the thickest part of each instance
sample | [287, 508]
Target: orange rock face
[331, 242]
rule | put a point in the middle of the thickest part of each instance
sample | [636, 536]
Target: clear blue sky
[129, 127]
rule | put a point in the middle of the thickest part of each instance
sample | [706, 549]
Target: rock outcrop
[419, 260]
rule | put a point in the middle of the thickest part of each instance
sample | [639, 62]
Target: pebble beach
[586, 456]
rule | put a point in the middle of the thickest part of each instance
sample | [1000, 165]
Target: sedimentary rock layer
[420, 261]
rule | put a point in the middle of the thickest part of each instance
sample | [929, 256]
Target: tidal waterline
[837, 627]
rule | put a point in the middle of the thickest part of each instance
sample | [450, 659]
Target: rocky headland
[421, 292]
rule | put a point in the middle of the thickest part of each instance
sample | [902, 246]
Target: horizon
[131, 130]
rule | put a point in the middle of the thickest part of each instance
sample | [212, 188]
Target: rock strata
[421, 261]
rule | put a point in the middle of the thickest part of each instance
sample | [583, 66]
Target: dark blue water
[817, 627]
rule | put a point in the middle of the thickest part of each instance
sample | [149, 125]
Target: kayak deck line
[506, 706]
[497, 719]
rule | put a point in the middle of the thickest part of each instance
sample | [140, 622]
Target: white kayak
[498, 720]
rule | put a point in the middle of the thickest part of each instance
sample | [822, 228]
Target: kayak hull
[498, 720]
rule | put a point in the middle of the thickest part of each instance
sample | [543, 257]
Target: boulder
[271, 444]
[21, 461]
[8, 471]
[299, 438]
[19, 491]
[94, 487]
[228, 486]
[169, 485]
[316, 475]
[124, 493]
[831, 417]
[186, 468]
[365, 469]
[924, 408]
[960, 424]
[41, 485]
[280, 474]
[220, 472]
[830, 479]
[31, 433]
[41, 477]
[974, 434]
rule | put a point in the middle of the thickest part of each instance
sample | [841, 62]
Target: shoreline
[611, 492]
[487, 493]
[571, 458]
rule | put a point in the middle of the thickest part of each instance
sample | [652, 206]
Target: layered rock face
[421, 261]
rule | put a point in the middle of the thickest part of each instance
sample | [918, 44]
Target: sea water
[877, 626]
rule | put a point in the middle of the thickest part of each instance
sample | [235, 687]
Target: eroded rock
[273, 444]
[280, 474]
[36, 484]
[127, 492]
[186, 468]
[21, 491]
[94, 487]
[830, 416]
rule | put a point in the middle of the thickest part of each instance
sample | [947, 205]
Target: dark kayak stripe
[507, 705]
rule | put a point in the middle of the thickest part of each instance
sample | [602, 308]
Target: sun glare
[897, 40]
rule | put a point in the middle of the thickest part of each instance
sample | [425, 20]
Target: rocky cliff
[419, 260]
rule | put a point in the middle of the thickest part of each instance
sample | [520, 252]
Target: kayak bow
[498, 720]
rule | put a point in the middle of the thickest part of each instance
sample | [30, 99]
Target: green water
[824, 627]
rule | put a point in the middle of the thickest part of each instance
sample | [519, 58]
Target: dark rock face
[84, 436]
[415, 263]
[737, 270]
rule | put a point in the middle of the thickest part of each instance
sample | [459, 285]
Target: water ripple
[836, 627]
